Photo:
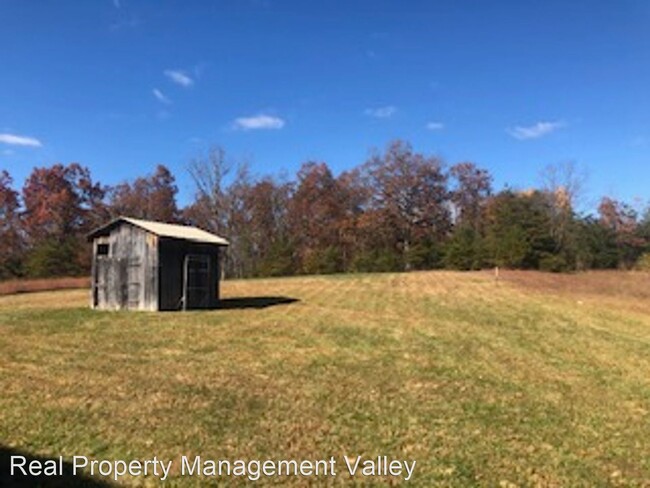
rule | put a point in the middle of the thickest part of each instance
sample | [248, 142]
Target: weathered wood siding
[127, 277]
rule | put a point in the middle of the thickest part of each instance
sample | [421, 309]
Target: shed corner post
[219, 276]
[93, 276]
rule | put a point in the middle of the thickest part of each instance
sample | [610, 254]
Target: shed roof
[161, 229]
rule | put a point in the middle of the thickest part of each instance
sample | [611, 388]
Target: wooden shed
[145, 265]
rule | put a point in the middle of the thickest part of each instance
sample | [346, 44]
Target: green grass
[532, 381]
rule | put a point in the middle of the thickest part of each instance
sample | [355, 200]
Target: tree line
[398, 211]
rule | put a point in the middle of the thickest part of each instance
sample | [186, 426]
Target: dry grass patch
[25, 286]
[631, 288]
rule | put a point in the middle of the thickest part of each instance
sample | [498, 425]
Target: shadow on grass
[61, 480]
[253, 302]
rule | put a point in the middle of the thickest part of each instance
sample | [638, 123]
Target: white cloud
[179, 77]
[535, 131]
[116, 3]
[435, 126]
[15, 140]
[260, 121]
[382, 112]
[8, 152]
[161, 96]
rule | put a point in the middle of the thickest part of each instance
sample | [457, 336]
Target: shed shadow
[62, 480]
[253, 302]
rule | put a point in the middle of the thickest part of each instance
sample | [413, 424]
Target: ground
[532, 380]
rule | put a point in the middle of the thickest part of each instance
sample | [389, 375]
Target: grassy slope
[536, 380]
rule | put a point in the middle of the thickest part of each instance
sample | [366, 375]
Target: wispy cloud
[260, 121]
[382, 112]
[199, 69]
[161, 96]
[117, 4]
[535, 131]
[179, 77]
[14, 140]
[435, 126]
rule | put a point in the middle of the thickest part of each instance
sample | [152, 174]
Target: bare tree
[209, 171]
[220, 206]
[563, 183]
[566, 182]
[472, 189]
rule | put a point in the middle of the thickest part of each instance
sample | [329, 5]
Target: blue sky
[121, 85]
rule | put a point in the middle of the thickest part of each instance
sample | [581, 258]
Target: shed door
[100, 281]
[196, 281]
[116, 283]
[133, 278]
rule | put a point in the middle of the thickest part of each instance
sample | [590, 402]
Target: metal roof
[167, 230]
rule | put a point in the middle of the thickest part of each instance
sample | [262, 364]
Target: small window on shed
[102, 249]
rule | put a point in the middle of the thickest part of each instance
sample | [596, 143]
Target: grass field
[535, 380]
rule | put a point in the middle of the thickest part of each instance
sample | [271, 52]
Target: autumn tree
[265, 205]
[358, 234]
[395, 212]
[621, 221]
[11, 239]
[61, 204]
[409, 195]
[314, 215]
[472, 187]
[151, 197]
[237, 219]
[60, 201]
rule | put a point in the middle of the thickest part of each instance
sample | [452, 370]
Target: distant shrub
[643, 263]
[464, 251]
[377, 260]
[54, 258]
[322, 261]
[424, 255]
[554, 263]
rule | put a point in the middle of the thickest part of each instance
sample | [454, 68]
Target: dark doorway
[196, 281]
